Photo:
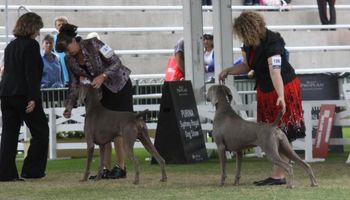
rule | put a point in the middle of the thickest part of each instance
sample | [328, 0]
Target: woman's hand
[30, 106]
[98, 80]
[223, 75]
[67, 112]
[282, 103]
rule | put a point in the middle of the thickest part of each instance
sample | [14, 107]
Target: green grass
[189, 181]
[346, 134]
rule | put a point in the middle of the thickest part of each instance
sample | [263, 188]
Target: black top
[23, 69]
[272, 45]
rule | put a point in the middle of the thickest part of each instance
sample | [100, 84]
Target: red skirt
[292, 123]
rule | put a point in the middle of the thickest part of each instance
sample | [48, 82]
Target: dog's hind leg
[273, 154]
[130, 153]
[222, 157]
[287, 150]
[144, 138]
[239, 156]
[90, 151]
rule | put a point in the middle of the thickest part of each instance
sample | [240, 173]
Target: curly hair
[28, 24]
[250, 27]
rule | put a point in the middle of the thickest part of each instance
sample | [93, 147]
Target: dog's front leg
[90, 151]
[102, 160]
[239, 156]
[222, 157]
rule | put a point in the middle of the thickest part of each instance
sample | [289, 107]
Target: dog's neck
[223, 105]
[92, 100]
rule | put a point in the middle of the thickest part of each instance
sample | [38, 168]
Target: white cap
[92, 35]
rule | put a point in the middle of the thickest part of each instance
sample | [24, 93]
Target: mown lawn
[189, 181]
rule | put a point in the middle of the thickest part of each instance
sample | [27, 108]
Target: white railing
[235, 50]
[57, 124]
[160, 8]
[205, 28]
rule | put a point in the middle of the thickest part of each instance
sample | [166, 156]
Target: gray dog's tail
[142, 114]
[278, 119]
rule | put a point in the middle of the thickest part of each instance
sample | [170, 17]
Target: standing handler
[277, 86]
[96, 61]
[21, 101]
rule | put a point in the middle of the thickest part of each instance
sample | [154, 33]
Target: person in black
[21, 101]
[278, 88]
[322, 11]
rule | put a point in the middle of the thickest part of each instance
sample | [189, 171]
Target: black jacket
[23, 69]
[273, 44]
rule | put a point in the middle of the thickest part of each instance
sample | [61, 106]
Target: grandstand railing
[57, 122]
[235, 50]
[159, 8]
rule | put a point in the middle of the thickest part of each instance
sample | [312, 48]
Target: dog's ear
[211, 95]
[81, 93]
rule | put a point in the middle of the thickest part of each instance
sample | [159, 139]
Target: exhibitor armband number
[276, 62]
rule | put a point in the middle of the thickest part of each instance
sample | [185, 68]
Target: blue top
[52, 74]
[61, 56]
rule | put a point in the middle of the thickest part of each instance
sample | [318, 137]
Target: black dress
[19, 85]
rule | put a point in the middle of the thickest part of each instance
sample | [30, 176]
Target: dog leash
[222, 82]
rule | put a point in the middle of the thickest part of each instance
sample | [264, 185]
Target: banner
[324, 129]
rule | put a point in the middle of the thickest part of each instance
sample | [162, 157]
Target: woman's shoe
[12, 180]
[117, 172]
[261, 181]
[271, 181]
[34, 176]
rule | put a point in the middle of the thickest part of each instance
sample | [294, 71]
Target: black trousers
[13, 115]
[322, 11]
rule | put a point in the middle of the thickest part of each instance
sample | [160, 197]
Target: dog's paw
[164, 179]
[290, 186]
[136, 182]
[314, 185]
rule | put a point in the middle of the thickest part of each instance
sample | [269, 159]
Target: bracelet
[104, 76]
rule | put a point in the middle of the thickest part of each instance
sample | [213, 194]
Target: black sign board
[179, 138]
[321, 87]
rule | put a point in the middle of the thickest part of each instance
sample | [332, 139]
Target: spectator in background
[93, 35]
[322, 11]
[208, 43]
[206, 2]
[274, 2]
[1, 66]
[58, 22]
[250, 2]
[21, 101]
[176, 64]
[52, 75]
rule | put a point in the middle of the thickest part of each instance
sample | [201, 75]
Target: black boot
[117, 172]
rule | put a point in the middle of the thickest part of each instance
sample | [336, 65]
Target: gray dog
[102, 126]
[232, 133]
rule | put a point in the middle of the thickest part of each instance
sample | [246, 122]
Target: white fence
[57, 123]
